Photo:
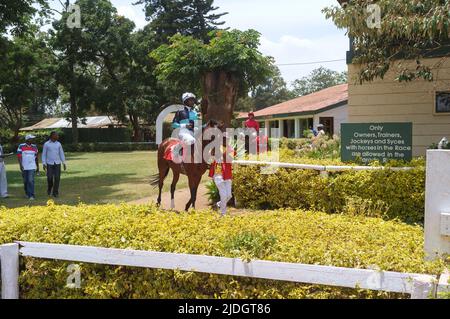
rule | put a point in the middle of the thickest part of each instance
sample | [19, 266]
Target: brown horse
[194, 171]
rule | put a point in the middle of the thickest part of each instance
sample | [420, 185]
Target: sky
[292, 31]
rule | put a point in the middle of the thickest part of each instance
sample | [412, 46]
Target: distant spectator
[27, 154]
[52, 159]
[313, 132]
[320, 130]
[3, 180]
[250, 125]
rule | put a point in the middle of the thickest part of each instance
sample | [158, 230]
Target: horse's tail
[154, 179]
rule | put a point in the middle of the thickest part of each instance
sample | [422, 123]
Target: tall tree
[79, 53]
[15, 15]
[222, 70]
[187, 17]
[317, 80]
[129, 88]
[26, 79]
[407, 30]
[272, 92]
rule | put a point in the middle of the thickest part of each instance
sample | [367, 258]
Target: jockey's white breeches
[186, 136]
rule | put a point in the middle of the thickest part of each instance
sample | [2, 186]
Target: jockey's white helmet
[186, 96]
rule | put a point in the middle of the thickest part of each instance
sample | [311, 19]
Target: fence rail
[321, 168]
[418, 285]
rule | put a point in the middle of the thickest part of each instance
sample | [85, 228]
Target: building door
[328, 124]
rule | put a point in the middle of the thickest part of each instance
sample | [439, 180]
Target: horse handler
[221, 171]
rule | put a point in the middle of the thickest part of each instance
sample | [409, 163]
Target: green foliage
[16, 15]
[27, 82]
[321, 147]
[409, 30]
[188, 17]
[318, 80]
[109, 147]
[286, 235]
[392, 194]
[235, 52]
[212, 192]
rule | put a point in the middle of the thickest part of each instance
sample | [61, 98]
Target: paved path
[182, 196]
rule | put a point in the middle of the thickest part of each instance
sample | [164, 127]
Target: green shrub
[212, 192]
[109, 147]
[402, 193]
[42, 136]
[286, 235]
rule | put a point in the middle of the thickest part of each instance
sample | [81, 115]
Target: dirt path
[182, 196]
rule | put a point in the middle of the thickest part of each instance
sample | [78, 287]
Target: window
[442, 102]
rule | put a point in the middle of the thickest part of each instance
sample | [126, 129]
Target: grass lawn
[93, 178]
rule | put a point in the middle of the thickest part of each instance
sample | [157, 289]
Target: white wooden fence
[320, 168]
[418, 285]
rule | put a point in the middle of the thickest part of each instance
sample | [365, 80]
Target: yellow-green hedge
[400, 194]
[287, 235]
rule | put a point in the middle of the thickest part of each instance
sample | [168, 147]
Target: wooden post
[444, 283]
[9, 259]
[423, 287]
[437, 203]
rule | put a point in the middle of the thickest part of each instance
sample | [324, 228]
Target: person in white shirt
[320, 130]
[3, 180]
[52, 159]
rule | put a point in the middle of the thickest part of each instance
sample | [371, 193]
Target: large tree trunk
[137, 134]
[220, 91]
[74, 118]
[73, 102]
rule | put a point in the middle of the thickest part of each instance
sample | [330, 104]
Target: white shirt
[1, 153]
[53, 153]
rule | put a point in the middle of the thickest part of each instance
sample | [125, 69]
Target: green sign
[376, 141]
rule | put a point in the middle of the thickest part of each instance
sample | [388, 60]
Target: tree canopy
[408, 30]
[186, 59]
[319, 79]
[187, 17]
[224, 68]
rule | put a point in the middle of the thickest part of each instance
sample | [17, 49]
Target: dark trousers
[28, 182]
[53, 178]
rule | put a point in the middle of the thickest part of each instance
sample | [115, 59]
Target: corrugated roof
[54, 123]
[312, 103]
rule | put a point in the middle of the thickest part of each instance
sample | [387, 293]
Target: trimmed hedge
[97, 147]
[383, 193]
[286, 235]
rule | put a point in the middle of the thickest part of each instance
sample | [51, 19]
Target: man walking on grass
[52, 159]
[27, 154]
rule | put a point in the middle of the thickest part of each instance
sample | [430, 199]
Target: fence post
[423, 287]
[444, 283]
[437, 203]
[9, 258]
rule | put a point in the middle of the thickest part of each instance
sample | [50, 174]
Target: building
[426, 104]
[60, 123]
[293, 117]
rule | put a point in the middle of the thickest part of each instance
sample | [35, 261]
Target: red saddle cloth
[169, 154]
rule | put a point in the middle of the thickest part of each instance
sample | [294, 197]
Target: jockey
[185, 119]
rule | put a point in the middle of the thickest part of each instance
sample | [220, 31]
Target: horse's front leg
[194, 181]
[176, 177]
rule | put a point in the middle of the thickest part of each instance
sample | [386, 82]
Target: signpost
[368, 142]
